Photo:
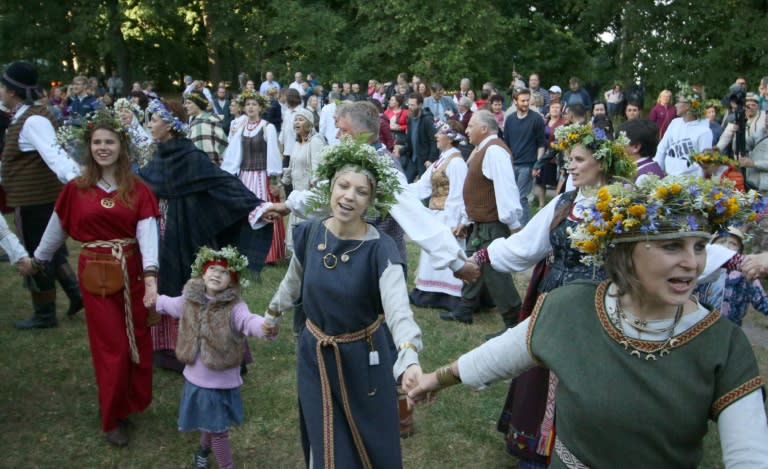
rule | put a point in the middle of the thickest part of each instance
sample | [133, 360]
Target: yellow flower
[603, 194]
[617, 217]
[675, 188]
[589, 246]
[752, 216]
[602, 206]
[636, 210]
[662, 193]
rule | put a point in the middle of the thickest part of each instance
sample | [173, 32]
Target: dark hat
[21, 77]
[198, 98]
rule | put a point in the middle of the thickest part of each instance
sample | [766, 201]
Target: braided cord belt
[324, 340]
[117, 252]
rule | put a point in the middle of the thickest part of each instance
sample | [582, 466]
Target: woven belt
[118, 253]
[568, 458]
[324, 340]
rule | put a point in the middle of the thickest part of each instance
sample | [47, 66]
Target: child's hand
[411, 377]
[270, 332]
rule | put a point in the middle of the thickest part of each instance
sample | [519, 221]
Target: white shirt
[680, 140]
[10, 243]
[328, 127]
[497, 166]
[456, 172]
[38, 134]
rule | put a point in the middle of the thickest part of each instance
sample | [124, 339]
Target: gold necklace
[650, 354]
[330, 260]
[107, 202]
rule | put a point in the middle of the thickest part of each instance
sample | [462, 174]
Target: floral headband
[248, 94]
[123, 103]
[73, 136]
[713, 156]
[360, 156]
[669, 208]
[157, 107]
[692, 97]
[445, 129]
[228, 257]
[612, 154]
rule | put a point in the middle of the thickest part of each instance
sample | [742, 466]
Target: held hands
[425, 391]
[755, 265]
[410, 380]
[150, 291]
[25, 266]
[276, 211]
[271, 325]
[469, 273]
[746, 162]
[460, 231]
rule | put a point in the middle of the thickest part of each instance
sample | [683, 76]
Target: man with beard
[420, 146]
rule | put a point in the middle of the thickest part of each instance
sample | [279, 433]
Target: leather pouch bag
[102, 277]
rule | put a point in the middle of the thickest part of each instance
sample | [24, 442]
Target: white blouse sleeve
[39, 132]
[743, 433]
[290, 287]
[147, 236]
[423, 186]
[399, 317]
[233, 155]
[274, 160]
[505, 356]
[425, 229]
[528, 246]
[53, 237]
[10, 243]
[454, 204]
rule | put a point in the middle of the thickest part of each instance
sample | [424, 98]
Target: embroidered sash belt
[324, 340]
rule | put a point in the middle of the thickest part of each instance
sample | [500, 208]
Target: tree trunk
[214, 65]
[118, 46]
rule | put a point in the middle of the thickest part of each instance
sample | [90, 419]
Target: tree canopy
[655, 42]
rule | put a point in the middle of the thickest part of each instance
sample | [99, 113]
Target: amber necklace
[329, 259]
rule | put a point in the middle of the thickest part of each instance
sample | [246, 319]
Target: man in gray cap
[33, 172]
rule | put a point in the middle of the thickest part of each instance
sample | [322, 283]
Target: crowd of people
[176, 202]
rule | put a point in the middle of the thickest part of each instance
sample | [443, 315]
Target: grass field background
[49, 411]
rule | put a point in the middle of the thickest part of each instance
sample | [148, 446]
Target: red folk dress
[124, 387]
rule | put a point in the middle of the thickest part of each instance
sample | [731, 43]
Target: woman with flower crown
[114, 214]
[351, 280]
[254, 157]
[527, 418]
[642, 365]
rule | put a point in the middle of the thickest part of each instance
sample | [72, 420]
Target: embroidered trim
[531, 324]
[734, 395]
[646, 345]
[567, 458]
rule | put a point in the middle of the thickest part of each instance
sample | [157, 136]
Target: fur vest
[205, 328]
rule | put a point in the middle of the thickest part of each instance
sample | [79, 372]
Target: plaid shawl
[206, 206]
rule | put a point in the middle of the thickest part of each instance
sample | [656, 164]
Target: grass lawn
[49, 412]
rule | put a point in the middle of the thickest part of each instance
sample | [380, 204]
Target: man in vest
[33, 171]
[492, 203]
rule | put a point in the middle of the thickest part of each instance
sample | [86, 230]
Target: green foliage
[655, 42]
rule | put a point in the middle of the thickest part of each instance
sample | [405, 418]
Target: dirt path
[757, 333]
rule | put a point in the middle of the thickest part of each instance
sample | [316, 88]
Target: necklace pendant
[673, 342]
[635, 353]
[107, 202]
[344, 257]
[640, 322]
[625, 344]
[650, 356]
[664, 352]
[321, 247]
[329, 261]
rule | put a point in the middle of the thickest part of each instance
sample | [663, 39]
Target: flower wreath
[248, 94]
[236, 263]
[73, 138]
[659, 209]
[612, 154]
[361, 156]
[693, 97]
[712, 156]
